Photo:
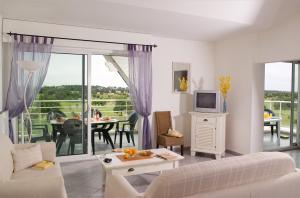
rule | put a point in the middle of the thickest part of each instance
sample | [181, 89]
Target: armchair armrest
[48, 149]
[34, 187]
[118, 186]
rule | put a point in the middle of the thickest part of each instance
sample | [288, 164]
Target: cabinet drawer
[204, 120]
[135, 170]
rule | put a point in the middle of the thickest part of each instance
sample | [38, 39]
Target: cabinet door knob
[205, 120]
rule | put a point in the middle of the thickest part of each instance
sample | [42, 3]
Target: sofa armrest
[37, 187]
[48, 149]
[118, 186]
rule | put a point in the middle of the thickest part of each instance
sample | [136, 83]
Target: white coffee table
[135, 167]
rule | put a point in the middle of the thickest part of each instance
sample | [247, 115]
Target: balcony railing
[283, 110]
[117, 108]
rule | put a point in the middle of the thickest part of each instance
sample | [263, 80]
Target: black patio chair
[54, 114]
[58, 134]
[271, 124]
[39, 132]
[74, 129]
[127, 128]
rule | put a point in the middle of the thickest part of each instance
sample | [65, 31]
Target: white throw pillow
[174, 133]
[24, 158]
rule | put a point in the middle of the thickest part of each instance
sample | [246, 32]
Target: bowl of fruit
[129, 152]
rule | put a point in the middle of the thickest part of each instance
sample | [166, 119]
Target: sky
[278, 76]
[66, 69]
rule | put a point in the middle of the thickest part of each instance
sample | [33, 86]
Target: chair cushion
[174, 133]
[169, 141]
[6, 160]
[24, 158]
[220, 174]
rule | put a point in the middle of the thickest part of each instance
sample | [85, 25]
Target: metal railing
[117, 108]
[270, 104]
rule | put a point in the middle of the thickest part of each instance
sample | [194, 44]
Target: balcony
[114, 108]
[281, 109]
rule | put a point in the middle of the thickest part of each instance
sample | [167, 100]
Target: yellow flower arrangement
[183, 84]
[225, 85]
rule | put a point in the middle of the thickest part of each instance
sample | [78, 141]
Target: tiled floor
[270, 141]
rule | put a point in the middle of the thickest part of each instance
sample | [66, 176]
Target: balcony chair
[54, 114]
[73, 128]
[163, 124]
[271, 124]
[127, 128]
[58, 134]
[43, 134]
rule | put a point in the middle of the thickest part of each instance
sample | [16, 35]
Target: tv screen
[206, 100]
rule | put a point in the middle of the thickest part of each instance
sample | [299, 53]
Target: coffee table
[136, 167]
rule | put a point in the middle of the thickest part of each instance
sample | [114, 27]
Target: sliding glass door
[110, 97]
[58, 111]
[81, 101]
[281, 113]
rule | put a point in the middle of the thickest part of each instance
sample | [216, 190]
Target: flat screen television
[207, 101]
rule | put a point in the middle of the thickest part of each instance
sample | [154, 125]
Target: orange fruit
[126, 156]
[126, 150]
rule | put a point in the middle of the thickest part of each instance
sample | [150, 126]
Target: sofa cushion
[24, 158]
[52, 187]
[48, 149]
[6, 161]
[220, 174]
[31, 173]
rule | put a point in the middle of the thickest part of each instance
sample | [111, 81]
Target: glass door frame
[293, 145]
[88, 53]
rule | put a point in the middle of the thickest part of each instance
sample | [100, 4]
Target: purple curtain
[30, 48]
[140, 85]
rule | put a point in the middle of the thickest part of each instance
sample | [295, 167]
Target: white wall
[198, 54]
[201, 57]
[1, 92]
[242, 57]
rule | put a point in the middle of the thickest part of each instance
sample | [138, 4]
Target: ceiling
[187, 19]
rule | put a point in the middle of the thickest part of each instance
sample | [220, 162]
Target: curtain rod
[74, 39]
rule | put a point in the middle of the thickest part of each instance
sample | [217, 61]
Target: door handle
[205, 120]
[131, 170]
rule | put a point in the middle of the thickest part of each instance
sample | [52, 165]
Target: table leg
[175, 164]
[93, 142]
[121, 138]
[108, 138]
[278, 132]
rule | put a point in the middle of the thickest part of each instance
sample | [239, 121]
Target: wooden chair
[163, 124]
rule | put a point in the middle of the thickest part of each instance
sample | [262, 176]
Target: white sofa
[29, 183]
[259, 175]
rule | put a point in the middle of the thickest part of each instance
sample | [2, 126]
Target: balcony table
[98, 125]
[277, 120]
